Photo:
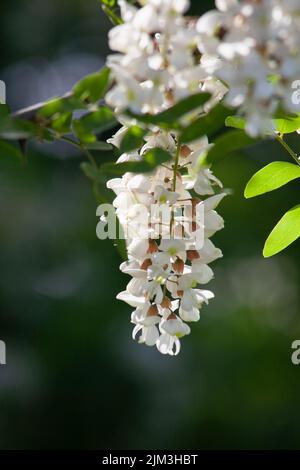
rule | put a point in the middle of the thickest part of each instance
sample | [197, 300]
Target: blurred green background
[74, 379]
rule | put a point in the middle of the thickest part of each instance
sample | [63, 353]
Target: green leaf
[237, 122]
[62, 123]
[94, 123]
[60, 105]
[93, 87]
[283, 124]
[287, 125]
[99, 145]
[169, 119]
[150, 161]
[9, 150]
[4, 111]
[227, 143]
[109, 3]
[286, 232]
[16, 129]
[92, 172]
[271, 177]
[133, 139]
[98, 179]
[206, 125]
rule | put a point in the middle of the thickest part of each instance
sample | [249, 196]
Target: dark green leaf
[286, 232]
[92, 172]
[133, 139]
[206, 125]
[98, 179]
[93, 87]
[4, 111]
[16, 129]
[99, 145]
[228, 143]
[9, 150]
[94, 123]
[169, 119]
[271, 177]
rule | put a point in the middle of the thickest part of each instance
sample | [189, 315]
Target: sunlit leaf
[287, 125]
[286, 232]
[237, 122]
[271, 177]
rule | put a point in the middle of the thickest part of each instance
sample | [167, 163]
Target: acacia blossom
[157, 65]
[258, 42]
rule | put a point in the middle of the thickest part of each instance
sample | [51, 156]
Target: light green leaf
[93, 87]
[286, 232]
[60, 105]
[133, 139]
[283, 124]
[206, 125]
[62, 123]
[237, 122]
[287, 125]
[271, 177]
[228, 143]
[150, 161]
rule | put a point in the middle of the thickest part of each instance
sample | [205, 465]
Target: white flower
[145, 319]
[172, 329]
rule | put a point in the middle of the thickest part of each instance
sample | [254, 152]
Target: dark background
[74, 378]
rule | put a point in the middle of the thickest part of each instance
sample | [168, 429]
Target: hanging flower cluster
[258, 44]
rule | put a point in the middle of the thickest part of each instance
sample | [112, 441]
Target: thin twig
[291, 152]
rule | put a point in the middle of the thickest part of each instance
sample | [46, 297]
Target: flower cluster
[258, 42]
[158, 64]
[164, 261]
[158, 61]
